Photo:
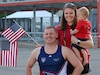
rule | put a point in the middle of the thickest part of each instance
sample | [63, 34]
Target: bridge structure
[51, 5]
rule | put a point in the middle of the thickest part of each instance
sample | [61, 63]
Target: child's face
[80, 15]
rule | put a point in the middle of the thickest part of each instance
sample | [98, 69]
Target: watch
[78, 42]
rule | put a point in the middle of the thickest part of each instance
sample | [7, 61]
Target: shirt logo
[56, 59]
[43, 59]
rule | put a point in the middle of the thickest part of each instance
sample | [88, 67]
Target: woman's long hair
[63, 22]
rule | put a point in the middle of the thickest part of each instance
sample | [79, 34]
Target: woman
[68, 22]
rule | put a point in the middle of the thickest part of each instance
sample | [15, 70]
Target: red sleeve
[79, 25]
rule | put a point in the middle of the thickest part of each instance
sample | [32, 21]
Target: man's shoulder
[66, 51]
[37, 49]
[65, 48]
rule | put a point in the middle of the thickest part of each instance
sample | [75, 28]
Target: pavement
[24, 51]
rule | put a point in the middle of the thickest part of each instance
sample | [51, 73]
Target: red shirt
[84, 28]
[65, 35]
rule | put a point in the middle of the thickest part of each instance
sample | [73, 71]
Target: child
[82, 32]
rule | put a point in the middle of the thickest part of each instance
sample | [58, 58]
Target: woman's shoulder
[57, 27]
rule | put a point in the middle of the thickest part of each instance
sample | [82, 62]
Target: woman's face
[69, 15]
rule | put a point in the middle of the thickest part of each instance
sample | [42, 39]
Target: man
[52, 57]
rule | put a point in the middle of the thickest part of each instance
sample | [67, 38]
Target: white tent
[30, 14]
[59, 13]
[46, 18]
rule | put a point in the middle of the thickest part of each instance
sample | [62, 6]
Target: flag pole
[27, 33]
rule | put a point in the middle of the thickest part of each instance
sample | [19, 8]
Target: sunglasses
[69, 5]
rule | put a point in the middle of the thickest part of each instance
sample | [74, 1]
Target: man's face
[50, 35]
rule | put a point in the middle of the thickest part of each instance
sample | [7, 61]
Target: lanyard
[64, 40]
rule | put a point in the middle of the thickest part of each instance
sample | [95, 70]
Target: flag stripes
[9, 46]
[11, 35]
[9, 57]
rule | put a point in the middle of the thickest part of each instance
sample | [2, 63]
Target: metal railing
[35, 35]
[5, 1]
[38, 37]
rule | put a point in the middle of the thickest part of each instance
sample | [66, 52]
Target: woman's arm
[85, 44]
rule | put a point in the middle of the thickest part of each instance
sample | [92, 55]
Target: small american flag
[9, 53]
[13, 33]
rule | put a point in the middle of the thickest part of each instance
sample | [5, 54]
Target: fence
[38, 37]
[35, 35]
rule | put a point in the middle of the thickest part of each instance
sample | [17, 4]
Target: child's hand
[71, 31]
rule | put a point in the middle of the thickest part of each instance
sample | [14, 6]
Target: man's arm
[85, 44]
[31, 62]
[70, 56]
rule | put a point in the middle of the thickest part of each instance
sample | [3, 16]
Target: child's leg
[77, 53]
[85, 56]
